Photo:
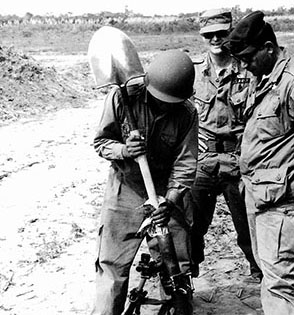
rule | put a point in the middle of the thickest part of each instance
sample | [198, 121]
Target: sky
[145, 7]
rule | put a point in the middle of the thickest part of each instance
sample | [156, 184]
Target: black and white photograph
[147, 157]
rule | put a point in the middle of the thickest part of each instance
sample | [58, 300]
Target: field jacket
[267, 152]
[171, 140]
[220, 101]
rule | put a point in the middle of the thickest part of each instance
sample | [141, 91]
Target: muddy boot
[195, 271]
[182, 304]
[255, 273]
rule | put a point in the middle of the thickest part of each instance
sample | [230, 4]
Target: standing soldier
[167, 121]
[267, 157]
[221, 89]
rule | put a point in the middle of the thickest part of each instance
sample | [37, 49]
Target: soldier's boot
[182, 304]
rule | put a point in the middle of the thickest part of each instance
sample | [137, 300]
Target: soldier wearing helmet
[221, 87]
[167, 121]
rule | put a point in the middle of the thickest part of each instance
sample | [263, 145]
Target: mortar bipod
[179, 285]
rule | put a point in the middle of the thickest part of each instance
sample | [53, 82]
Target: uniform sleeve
[108, 142]
[291, 103]
[184, 168]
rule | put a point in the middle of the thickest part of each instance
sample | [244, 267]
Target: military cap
[250, 33]
[215, 20]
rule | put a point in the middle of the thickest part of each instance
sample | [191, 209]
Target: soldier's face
[214, 41]
[165, 107]
[260, 62]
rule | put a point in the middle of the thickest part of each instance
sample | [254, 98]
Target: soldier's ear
[269, 46]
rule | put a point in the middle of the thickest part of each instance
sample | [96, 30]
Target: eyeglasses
[218, 34]
[247, 58]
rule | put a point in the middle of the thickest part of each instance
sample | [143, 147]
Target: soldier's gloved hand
[161, 216]
[135, 146]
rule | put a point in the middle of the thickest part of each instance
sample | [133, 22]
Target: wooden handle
[146, 174]
[142, 160]
[149, 185]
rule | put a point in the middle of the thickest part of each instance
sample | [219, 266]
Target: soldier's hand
[135, 146]
[161, 216]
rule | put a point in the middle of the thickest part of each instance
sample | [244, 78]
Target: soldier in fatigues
[267, 157]
[167, 121]
[221, 87]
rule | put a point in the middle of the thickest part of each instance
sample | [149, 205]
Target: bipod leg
[138, 309]
[137, 296]
[136, 299]
[166, 308]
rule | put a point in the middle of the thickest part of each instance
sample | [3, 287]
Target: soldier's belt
[221, 146]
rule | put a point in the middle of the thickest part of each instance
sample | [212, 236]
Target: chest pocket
[239, 97]
[272, 119]
[205, 92]
[162, 154]
[269, 186]
[203, 107]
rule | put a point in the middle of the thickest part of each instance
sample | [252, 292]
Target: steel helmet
[170, 76]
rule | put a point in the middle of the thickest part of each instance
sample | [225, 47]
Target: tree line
[281, 19]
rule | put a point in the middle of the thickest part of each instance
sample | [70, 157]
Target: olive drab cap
[170, 76]
[250, 33]
[215, 20]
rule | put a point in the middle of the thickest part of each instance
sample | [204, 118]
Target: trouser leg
[112, 274]
[117, 248]
[204, 200]
[275, 243]
[251, 217]
[237, 207]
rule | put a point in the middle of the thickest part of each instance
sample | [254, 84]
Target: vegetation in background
[27, 88]
[281, 19]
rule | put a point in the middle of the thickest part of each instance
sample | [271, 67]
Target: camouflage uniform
[267, 167]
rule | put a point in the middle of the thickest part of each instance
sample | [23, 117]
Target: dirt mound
[27, 88]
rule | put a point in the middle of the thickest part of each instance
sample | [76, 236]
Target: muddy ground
[51, 188]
